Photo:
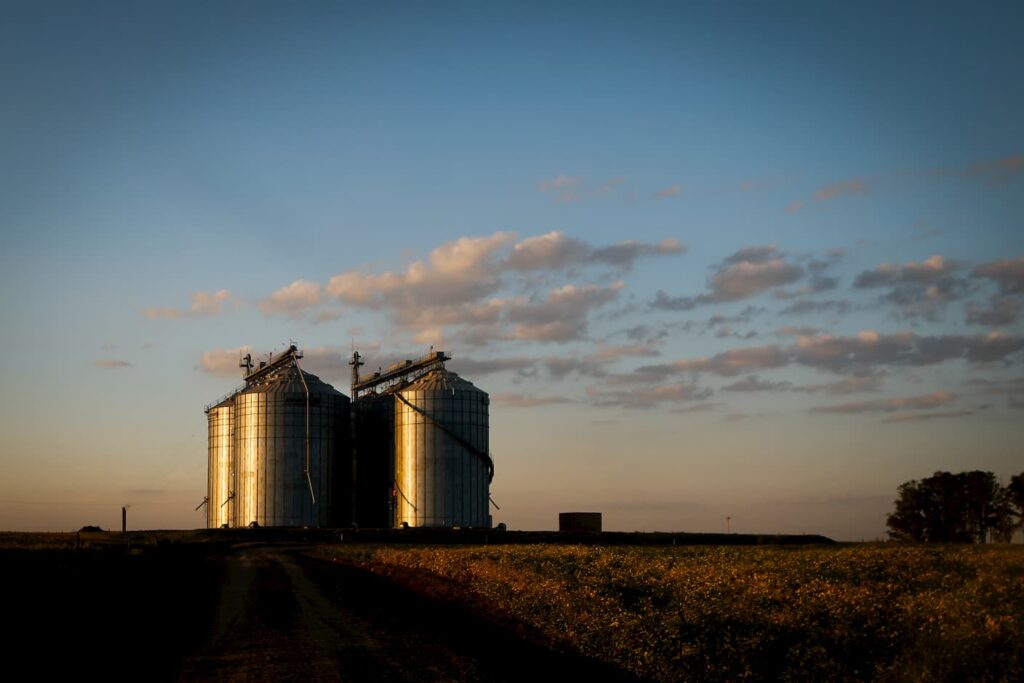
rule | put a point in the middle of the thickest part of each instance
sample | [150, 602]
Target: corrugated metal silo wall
[440, 482]
[220, 481]
[270, 456]
[373, 432]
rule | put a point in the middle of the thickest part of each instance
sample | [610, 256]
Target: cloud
[292, 300]
[625, 254]
[735, 361]
[1008, 274]
[614, 352]
[559, 182]
[842, 188]
[326, 316]
[112, 364]
[555, 251]
[524, 401]
[995, 171]
[862, 354]
[472, 367]
[648, 397]
[1002, 310]
[793, 207]
[667, 192]
[725, 364]
[551, 251]
[936, 399]
[455, 287]
[751, 383]
[744, 274]
[913, 417]
[562, 315]
[203, 305]
[806, 307]
[917, 289]
[751, 271]
[848, 385]
[224, 362]
[695, 408]
[818, 280]
[454, 272]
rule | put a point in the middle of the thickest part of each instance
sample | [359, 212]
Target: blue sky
[731, 259]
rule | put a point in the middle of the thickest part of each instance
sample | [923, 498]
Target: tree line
[967, 507]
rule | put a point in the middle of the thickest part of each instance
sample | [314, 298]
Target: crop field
[877, 612]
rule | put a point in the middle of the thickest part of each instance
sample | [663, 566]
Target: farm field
[873, 612]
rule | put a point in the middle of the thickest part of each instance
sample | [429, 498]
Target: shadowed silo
[443, 466]
[220, 484]
[373, 439]
[291, 450]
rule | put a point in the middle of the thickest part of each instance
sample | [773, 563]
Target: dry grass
[870, 612]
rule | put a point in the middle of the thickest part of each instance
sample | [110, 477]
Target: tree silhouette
[967, 507]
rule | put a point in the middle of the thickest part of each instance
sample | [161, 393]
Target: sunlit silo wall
[220, 482]
[270, 424]
[373, 436]
[442, 461]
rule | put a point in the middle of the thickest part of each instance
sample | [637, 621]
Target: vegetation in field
[886, 612]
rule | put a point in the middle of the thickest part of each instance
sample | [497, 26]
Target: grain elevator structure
[410, 449]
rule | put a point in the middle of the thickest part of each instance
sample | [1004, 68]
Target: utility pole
[728, 524]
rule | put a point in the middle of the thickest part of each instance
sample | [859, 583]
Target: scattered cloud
[548, 252]
[111, 364]
[1002, 311]
[1008, 274]
[562, 316]
[752, 383]
[843, 188]
[203, 304]
[555, 251]
[665, 193]
[647, 397]
[936, 399]
[747, 273]
[916, 289]
[859, 355]
[853, 384]
[807, 307]
[559, 182]
[455, 287]
[224, 362]
[793, 207]
[524, 401]
[327, 315]
[995, 171]
[914, 417]
[473, 367]
[292, 300]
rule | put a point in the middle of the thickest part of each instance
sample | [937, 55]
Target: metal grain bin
[220, 481]
[280, 479]
[443, 467]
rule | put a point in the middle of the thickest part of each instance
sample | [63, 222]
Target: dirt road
[282, 615]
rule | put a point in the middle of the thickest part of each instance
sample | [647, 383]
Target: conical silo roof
[443, 380]
[287, 380]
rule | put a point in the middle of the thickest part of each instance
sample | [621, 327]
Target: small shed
[577, 522]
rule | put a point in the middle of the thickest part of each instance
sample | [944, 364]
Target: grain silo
[220, 476]
[290, 463]
[426, 429]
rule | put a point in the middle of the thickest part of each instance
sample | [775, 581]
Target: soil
[260, 612]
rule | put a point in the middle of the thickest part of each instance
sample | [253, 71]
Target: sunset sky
[755, 260]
